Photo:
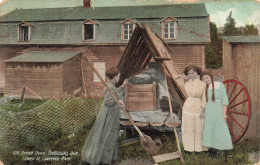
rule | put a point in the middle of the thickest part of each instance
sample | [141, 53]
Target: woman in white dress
[193, 110]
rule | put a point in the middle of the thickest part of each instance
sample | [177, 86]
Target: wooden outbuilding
[47, 73]
[241, 61]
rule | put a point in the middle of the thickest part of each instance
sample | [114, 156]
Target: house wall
[108, 54]
[242, 62]
[71, 71]
[184, 55]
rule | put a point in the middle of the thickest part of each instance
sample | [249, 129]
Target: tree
[230, 28]
[213, 50]
[250, 30]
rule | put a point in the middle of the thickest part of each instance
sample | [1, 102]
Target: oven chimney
[86, 3]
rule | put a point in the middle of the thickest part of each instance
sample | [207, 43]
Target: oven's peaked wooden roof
[142, 47]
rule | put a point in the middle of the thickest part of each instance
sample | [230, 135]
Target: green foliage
[213, 50]
[250, 30]
[58, 141]
[230, 28]
[13, 105]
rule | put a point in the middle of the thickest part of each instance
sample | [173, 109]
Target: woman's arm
[225, 111]
[224, 100]
[181, 76]
[203, 102]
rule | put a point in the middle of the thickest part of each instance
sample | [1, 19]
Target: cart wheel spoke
[239, 113]
[236, 91]
[227, 86]
[236, 122]
[236, 96]
[232, 91]
[238, 104]
[230, 129]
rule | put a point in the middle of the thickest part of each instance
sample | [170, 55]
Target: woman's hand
[225, 112]
[121, 104]
[124, 83]
[202, 112]
[182, 76]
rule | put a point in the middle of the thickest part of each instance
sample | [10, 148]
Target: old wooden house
[102, 33]
[241, 61]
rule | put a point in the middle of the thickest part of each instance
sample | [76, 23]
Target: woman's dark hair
[112, 72]
[207, 86]
[196, 69]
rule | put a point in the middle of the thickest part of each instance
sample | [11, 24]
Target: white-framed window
[169, 28]
[127, 29]
[24, 32]
[89, 30]
[101, 68]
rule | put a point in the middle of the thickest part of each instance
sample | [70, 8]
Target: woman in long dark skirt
[101, 144]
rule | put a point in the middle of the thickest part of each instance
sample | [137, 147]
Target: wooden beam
[22, 95]
[165, 157]
[172, 117]
[162, 58]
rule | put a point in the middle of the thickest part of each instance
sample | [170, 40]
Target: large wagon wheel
[239, 109]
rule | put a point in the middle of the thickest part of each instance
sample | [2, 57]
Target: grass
[60, 140]
[13, 105]
[239, 155]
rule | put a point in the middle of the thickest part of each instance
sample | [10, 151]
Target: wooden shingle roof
[143, 46]
[242, 39]
[119, 12]
[44, 56]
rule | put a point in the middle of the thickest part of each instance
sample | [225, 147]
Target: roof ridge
[110, 6]
[112, 12]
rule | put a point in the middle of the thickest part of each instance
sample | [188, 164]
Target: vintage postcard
[129, 82]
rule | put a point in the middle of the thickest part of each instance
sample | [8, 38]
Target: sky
[243, 11]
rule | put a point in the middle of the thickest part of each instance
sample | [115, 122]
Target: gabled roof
[242, 39]
[119, 12]
[44, 56]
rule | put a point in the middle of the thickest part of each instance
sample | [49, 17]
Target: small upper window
[89, 30]
[24, 32]
[128, 27]
[169, 26]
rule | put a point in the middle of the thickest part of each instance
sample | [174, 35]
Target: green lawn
[75, 120]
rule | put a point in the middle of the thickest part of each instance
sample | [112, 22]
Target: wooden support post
[83, 79]
[22, 95]
[97, 101]
[171, 112]
[60, 116]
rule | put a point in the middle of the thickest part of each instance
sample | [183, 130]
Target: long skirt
[101, 145]
[215, 133]
[192, 126]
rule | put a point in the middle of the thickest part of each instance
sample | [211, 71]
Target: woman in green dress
[101, 144]
[215, 131]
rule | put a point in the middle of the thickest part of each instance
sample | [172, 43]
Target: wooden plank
[165, 157]
[146, 106]
[140, 94]
[154, 95]
[162, 58]
[140, 88]
[136, 98]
